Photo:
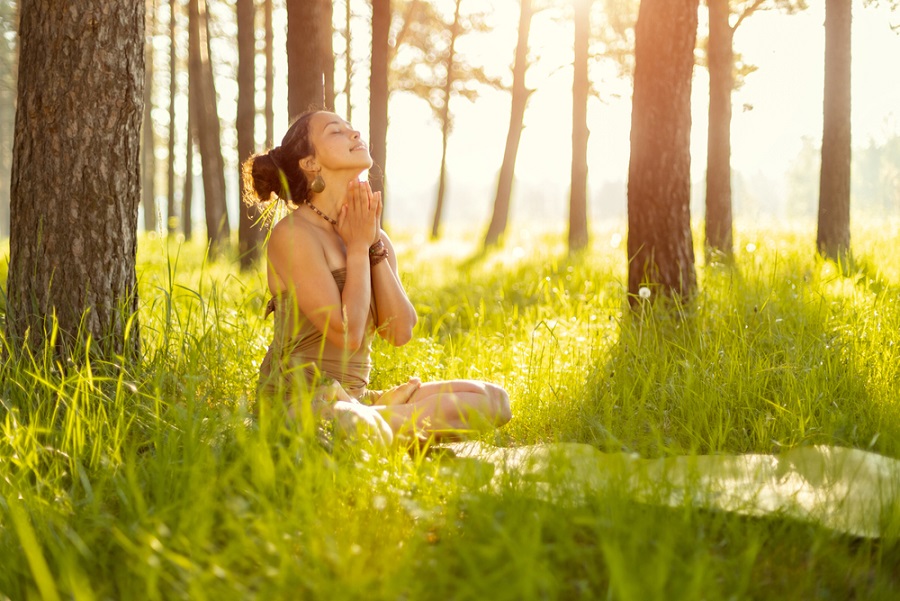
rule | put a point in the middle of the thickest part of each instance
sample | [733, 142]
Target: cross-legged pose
[332, 273]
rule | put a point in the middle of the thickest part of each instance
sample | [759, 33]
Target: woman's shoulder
[292, 231]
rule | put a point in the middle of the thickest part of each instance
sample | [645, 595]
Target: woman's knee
[499, 403]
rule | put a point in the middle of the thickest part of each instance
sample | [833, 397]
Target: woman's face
[338, 146]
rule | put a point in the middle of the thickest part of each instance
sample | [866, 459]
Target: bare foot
[400, 395]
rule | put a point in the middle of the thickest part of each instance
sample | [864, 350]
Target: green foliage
[154, 481]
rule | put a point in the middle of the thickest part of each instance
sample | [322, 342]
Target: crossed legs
[444, 408]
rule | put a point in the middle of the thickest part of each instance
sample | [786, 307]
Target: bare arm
[396, 314]
[300, 265]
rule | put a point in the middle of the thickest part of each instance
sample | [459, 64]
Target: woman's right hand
[358, 221]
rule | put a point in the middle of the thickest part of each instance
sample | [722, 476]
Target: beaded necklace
[320, 213]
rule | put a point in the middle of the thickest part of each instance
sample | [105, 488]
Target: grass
[145, 482]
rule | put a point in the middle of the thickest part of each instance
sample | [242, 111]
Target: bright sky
[785, 94]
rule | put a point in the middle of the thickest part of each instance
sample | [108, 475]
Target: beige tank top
[300, 355]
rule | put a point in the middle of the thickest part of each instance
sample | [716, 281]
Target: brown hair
[278, 171]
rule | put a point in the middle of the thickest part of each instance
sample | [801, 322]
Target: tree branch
[749, 11]
[407, 20]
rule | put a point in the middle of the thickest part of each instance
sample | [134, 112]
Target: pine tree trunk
[833, 237]
[309, 55]
[171, 217]
[203, 106]
[718, 159]
[445, 123]
[660, 247]
[7, 110]
[270, 76]
[442, 187]
[148, 156]
[7, 116]
[348, 59]
[76, 181]
[520, 95]
[248, 233]
[326, 44]
[578, 230]
[378, 92]
[187, 196]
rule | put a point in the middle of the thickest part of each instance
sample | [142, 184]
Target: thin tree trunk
[660, 247]
[270, 76]
[7, 125]
[309, 55]
[326, 44]
[171, 217]
[718, 157]
[348, 71]
[6, 111]
[203, 107]
[378, 92]
[148, 155]
[445, 122]
[76, 177]
[248, 234]
[520, 95]
[10, 105]
[187, 196]
[442, 184]
[833, 237]
[578, 230]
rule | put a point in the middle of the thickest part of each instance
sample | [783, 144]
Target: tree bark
[833, 237]
[8, 65]
[7, 110]
[203, 106]
[348, 59]
[578, 229]
[270, 76]
[378, 92]
[309, 55]
[187, 196]
[171, 217]
[660, 248]
[326, 43]
[718, 159]
[76, 181]
[520, 95]
[445, 122]
[148, 155]
[248, 232]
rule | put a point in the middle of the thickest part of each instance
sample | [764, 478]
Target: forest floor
[154, 481]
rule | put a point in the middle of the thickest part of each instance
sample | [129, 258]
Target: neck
[330, 200]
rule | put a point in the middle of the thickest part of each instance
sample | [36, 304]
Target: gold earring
[318, 184]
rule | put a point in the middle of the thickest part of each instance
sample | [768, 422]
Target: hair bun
[260, 175]
[278, 170]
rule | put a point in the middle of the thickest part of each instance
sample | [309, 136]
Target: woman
[333, 276]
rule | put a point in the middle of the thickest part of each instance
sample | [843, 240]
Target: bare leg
[442, 407]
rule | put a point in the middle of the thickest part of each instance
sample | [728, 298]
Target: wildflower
[644, 292]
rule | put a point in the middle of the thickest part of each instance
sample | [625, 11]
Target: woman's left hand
[359, 218]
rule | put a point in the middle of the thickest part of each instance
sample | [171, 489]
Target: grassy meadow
[151, 481]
